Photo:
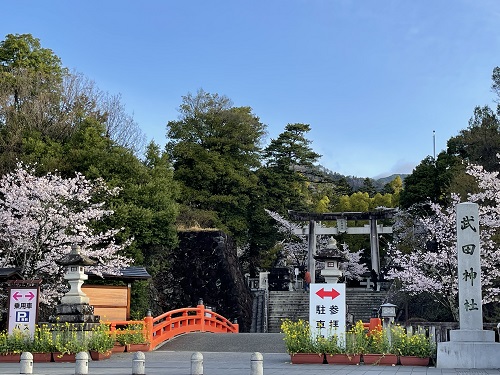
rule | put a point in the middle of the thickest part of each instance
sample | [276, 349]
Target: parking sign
[23, 305]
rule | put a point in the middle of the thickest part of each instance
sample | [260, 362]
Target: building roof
[11, 273]
[128, 273]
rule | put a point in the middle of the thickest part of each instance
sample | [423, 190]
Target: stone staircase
[294, 305]
[361, 302]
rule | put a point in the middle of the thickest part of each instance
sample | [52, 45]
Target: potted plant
[12, 345]
[69, 340]
[300, 344]
[101, 343]
[120, 337]
[134, 338]
[334, 347]
[42, 344]
[413, 350]
[379, 350]
[356, 342]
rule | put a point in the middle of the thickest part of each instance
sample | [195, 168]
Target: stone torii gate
[373, 229]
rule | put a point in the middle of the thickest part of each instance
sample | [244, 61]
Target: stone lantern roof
[74, 258]
[330, 252]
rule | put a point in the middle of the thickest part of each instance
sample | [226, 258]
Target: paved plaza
[227, 354]
[220, 363]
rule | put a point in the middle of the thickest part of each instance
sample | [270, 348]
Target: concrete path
[219, 358]
[214, 342]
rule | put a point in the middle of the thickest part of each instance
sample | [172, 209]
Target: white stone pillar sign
[470, 346]
[469, 267]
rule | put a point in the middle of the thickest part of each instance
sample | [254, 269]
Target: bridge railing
[174, 323]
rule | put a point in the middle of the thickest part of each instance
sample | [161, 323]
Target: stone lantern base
[81, 314]
[76, 313]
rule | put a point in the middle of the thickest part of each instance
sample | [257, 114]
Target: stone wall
[205, 266]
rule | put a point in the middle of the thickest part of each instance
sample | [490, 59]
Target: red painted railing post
[176, 322]
[201, 312]
[148, 323]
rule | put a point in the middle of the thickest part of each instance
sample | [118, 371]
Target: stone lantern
[388, 310]
[74, 307]
[332, 257]
[387, 313]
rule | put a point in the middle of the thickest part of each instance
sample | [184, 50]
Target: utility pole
[434, 144]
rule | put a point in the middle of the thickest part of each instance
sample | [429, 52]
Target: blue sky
[373, 78]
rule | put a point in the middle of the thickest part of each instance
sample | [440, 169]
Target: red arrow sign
[324, 293]
[16, 295]
[30, 295]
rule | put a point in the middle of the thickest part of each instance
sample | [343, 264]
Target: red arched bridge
[173, 323]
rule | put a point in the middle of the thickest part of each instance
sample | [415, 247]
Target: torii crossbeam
[312, 230]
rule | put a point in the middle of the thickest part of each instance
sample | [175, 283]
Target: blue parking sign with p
[22, 316]
[23, 305]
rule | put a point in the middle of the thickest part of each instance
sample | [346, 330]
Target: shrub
[101, 340]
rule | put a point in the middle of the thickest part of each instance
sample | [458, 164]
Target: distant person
[374, 279]
[307, 281]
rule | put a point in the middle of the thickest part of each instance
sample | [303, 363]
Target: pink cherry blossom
[42, 217]
[434, 270]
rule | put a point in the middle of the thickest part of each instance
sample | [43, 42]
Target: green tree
[25, 51]
[63, 122]
[322, 205]
[215, 149]
[429, 181]
[360, 201]
[344, 204]
[288, 159]
[23, 61]
[291, 149]
[30, 78]
[480, 142]
[368, 187]
[381, 200]
[145, 207]
[342, 187]
[284, 185]
[394, 188]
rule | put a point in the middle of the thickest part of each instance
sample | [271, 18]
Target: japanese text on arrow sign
[23, 305]
[327, 310]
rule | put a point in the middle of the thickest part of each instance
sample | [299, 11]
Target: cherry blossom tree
[432, 265]
[295, 248]
[42, 217]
